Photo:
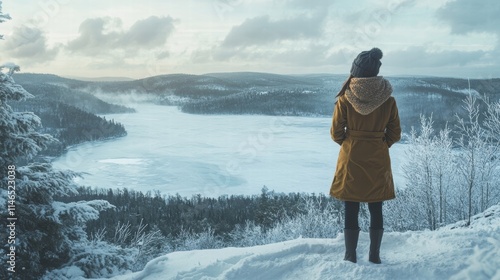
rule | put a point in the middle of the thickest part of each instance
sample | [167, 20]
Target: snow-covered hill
[452, 252]
[285, 95]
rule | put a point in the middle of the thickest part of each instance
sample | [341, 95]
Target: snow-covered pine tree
[45, 230]
[3, 17]
[42, 231]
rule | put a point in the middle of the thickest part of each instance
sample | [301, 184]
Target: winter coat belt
[365, 135]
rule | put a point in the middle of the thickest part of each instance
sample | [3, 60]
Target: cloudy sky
[125, 38]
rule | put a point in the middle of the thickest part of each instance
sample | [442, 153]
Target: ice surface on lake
[122, 160]
[212, 155]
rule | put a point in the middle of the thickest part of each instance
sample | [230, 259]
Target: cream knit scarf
[367, 94]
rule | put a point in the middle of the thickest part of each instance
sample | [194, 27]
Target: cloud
[261, 38]
[101, 35]
[419, 57]
[466, 16]
[261, 30]
[29, 44]
[93, 38]
[151, 32]
[162, 55]
[301, 54]
[312, 55]
[310, 4]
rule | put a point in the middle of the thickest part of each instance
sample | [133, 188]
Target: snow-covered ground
[452, 252]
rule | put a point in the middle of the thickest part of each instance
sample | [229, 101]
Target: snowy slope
[452, 252]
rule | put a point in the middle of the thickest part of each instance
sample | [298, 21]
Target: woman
[365, 124]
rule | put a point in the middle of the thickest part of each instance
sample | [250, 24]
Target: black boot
[375, 240]
[351, 243]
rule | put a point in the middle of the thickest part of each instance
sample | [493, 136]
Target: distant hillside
[255, 79]
[290, 95]
[68, 124]
[23, 78]
[52, 87]
[67, 113]
[101, 79]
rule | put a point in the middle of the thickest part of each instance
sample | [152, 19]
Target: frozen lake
[212, 155]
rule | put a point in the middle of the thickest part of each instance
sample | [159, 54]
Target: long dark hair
[345, 86]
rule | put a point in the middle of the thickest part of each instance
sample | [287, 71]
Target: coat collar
[367, 94]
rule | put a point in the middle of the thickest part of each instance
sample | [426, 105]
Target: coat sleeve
[339, 121]
[393, 128]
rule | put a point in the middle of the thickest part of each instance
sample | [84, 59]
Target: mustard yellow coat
[363, 172]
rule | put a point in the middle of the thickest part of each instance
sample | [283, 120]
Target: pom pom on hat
[367, 63]
[376, 53]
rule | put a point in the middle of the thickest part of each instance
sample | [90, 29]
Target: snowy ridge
[452, 252]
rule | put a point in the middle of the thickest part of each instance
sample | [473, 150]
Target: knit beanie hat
[367, 64]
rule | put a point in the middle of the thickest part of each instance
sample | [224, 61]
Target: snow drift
[455, 251]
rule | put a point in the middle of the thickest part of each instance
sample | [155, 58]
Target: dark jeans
[352, 211]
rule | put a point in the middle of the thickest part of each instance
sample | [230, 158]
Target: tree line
[284, 102]
[68, 124]
[64, 94]
[173, 213]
